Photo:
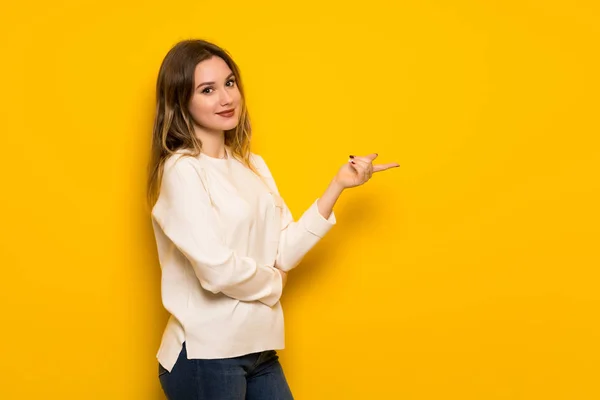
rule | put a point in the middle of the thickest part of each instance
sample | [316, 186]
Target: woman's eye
[231, 82]
[207, 90]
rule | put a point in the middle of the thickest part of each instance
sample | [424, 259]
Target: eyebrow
[212, 83]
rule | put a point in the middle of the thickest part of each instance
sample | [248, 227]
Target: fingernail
[352, 162]
[351, 156]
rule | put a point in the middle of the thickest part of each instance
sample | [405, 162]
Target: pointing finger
[383, 167]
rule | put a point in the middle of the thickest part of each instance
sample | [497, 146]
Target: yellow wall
[471, 272]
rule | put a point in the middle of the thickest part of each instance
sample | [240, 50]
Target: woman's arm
[183, 212]
[297, 238]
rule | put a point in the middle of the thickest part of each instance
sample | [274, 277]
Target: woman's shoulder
[255, 158]
[181, 159]
[258, 160]
[261, 165]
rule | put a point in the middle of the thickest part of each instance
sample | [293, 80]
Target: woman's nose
[225, 97]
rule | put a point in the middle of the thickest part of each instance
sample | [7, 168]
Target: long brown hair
[173, 124]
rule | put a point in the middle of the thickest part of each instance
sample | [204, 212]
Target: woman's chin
[226, 126]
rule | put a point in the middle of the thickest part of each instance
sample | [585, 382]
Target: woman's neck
[213, 143]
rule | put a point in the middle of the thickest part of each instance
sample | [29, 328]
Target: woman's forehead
[212, 69]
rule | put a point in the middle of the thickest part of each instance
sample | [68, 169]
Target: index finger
[383, 167]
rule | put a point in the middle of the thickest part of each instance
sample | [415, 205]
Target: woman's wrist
[336, 186]
[329, 198]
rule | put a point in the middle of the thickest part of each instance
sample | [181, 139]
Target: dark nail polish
[351, 156]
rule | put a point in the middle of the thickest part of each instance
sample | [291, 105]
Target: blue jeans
[256, 376]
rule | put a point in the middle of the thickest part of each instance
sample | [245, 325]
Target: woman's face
[216, 101]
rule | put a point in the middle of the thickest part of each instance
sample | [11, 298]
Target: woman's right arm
[183, 212]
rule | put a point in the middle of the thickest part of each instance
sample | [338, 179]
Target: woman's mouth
[227, 113]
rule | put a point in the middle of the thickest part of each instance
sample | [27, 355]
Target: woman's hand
[358, 170]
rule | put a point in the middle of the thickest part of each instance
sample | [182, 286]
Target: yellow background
[470, 272]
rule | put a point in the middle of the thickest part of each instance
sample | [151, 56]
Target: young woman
[225, 238]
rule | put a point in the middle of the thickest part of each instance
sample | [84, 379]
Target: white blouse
[220, 232]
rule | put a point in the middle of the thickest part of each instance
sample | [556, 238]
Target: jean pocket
[269, 356]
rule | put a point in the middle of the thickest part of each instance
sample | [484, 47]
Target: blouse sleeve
[183, 212]
[297, 237]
